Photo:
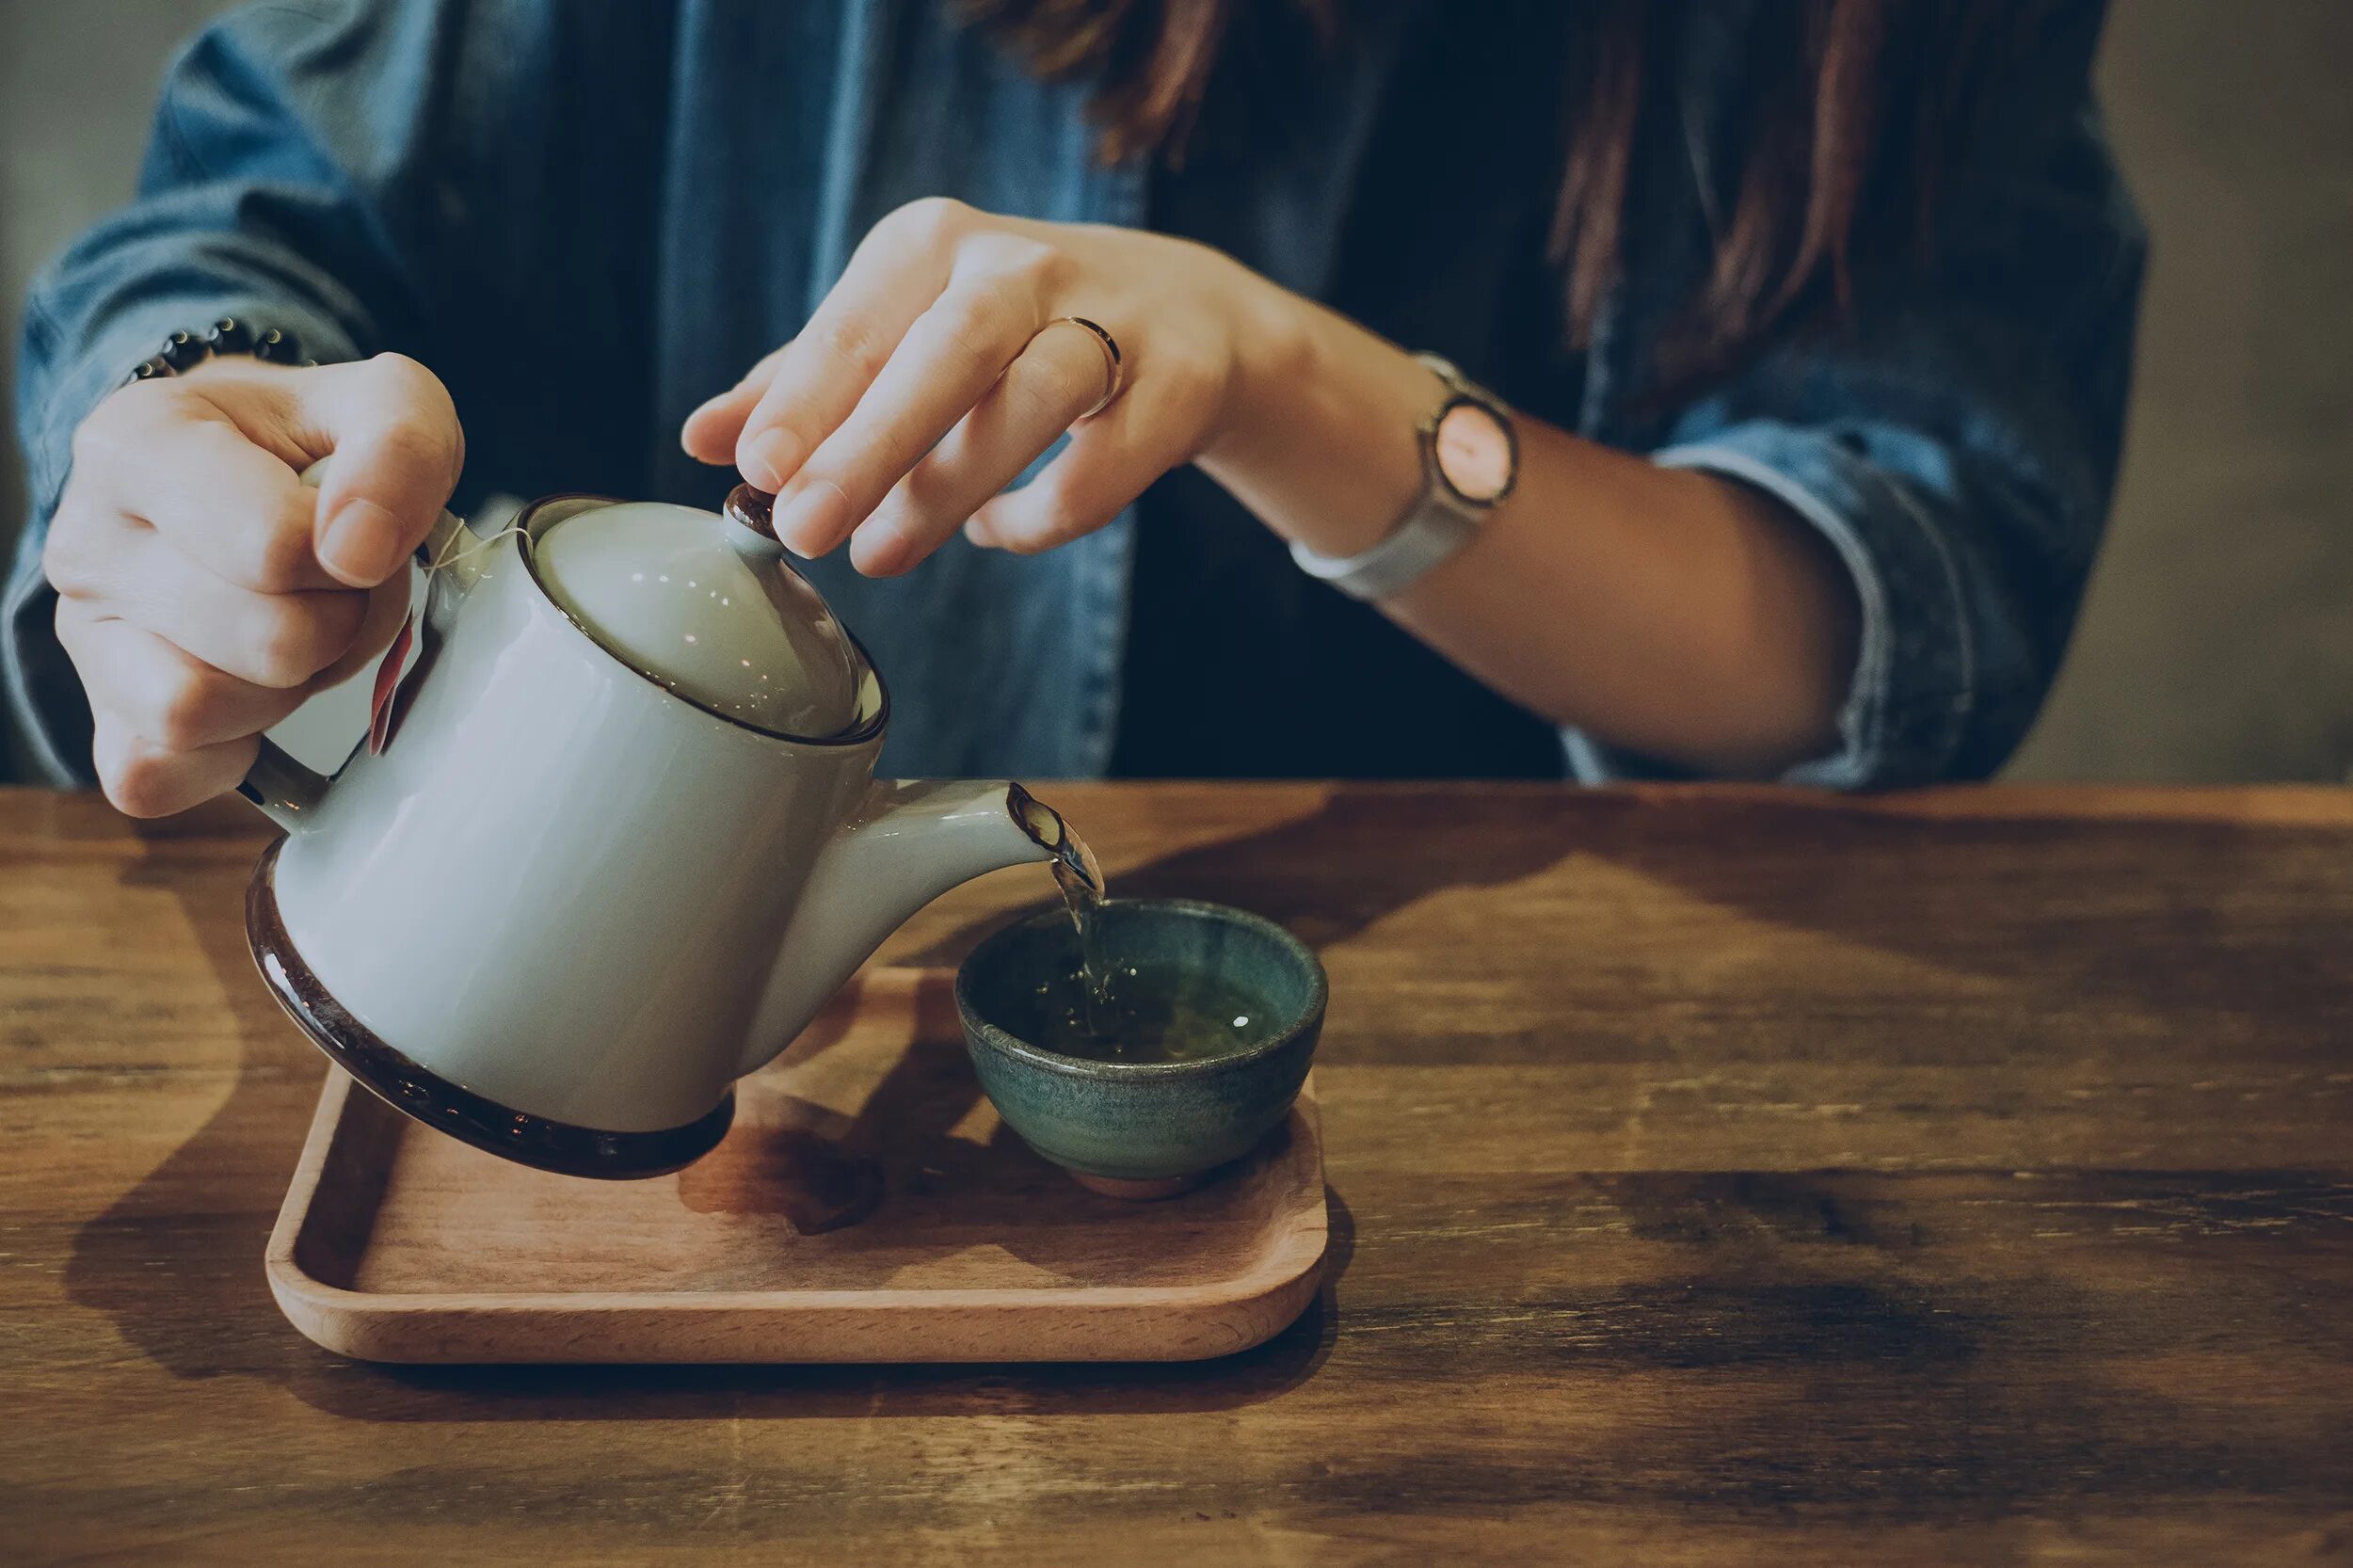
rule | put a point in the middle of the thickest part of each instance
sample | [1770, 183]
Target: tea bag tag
[384, 707]
[402, 669]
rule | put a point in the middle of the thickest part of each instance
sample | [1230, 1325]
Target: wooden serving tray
[868, 1206]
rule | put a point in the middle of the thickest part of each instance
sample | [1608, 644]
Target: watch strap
[1436, 524]
[1434, 527]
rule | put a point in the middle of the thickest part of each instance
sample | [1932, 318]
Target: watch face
[1475, 452]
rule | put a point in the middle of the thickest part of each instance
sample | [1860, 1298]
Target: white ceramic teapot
[620, 845]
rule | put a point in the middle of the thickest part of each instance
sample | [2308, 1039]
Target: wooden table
[1720, 1176]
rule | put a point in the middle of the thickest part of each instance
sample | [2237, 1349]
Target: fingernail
[770, 459]
[877, 550]
[361, 544]
[814, 520]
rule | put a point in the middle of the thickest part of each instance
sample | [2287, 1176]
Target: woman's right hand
[203, 591]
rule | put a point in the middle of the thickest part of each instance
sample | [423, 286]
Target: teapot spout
[909, 841]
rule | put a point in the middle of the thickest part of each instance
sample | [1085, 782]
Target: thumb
[395, 451]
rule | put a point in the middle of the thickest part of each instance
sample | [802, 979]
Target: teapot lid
[708, 607]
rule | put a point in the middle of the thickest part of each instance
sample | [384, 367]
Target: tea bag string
[451, 551]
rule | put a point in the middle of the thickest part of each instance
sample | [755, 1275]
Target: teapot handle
[284, 789]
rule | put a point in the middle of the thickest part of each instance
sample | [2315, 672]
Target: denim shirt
[586, 215]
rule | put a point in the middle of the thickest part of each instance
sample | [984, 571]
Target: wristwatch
[1470, 458]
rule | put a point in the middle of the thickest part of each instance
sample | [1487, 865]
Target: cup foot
[1138, 1189]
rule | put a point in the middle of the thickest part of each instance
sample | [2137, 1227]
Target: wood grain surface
[1716, 1176]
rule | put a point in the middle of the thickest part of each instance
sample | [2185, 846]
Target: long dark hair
[1861, 109]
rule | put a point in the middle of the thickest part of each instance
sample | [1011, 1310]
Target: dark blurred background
[2218, 642]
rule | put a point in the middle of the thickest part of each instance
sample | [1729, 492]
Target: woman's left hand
[935, 373]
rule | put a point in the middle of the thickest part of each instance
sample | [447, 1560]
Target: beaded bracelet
[184, 351]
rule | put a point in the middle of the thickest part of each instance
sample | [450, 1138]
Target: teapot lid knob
[748, 507]
[751, 516]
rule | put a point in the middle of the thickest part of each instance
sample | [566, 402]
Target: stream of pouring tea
[1132, 1012]
[1081, 878]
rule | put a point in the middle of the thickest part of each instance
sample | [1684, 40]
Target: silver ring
[1114, 373]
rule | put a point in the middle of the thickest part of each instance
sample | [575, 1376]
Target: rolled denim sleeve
[1924, 605]
[244, 208]
[1953, 436]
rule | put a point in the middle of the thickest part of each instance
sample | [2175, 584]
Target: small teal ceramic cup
[1143, 1129]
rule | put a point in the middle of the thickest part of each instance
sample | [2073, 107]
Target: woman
[1788, 345]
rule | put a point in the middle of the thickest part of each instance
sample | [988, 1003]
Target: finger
[397, 451]
[710, 431]
[1110, 461]
[1056, 380]
[947, 364]
[165, 697]
[91, 543]
[896, 271]
[173, 458]
[275, 640]
[145, 780]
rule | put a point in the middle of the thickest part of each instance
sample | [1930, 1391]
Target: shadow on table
[176, 1262]
[1992, 896]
